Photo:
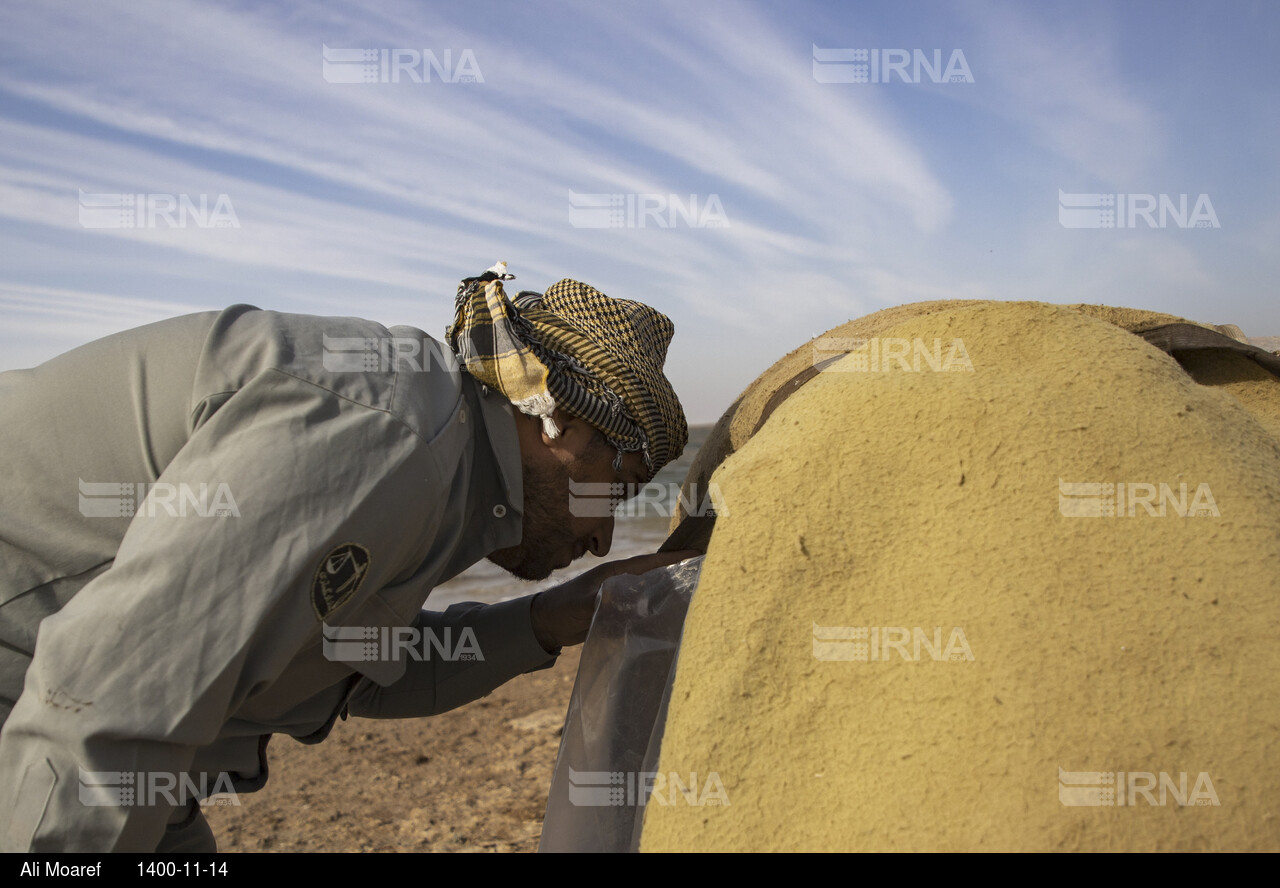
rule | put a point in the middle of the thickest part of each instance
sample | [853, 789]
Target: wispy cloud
[376, 198]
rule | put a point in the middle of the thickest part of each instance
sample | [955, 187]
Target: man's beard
[546, 531]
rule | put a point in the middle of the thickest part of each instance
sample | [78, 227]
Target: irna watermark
[385, 354]
[150, 210]
[883, 354]
[366, 644]
[1121, 789]
[146, 789]
[598, 499]
[638, 788]
[1104, 499]
[870, 644]
[881, 66]
[109, 499]
[638, 210]
[398, 65]
[1124, 210]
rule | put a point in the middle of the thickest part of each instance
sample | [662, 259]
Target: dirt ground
[474, 779]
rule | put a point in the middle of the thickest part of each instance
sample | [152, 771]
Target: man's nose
[602, 539]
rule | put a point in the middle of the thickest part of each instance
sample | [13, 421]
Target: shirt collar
[504, 442]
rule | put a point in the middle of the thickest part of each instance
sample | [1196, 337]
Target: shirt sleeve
[454, 657]
[206, 604]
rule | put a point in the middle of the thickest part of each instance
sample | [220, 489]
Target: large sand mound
[875, 503]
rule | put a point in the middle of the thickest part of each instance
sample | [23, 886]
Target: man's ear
[575, 434]
[557, 418]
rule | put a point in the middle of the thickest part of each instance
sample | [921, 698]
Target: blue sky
[840, 198]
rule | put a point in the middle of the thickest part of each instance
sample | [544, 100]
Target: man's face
[553, 535]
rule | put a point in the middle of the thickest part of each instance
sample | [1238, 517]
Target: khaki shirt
[308, 482]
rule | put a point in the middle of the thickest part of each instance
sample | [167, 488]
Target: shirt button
[462, 415]
[499, 511]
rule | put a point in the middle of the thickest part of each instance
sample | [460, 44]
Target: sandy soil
[474, 779]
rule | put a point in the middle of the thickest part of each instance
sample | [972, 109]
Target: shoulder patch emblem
[338, 578]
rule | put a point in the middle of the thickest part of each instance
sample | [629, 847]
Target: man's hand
[562, 614]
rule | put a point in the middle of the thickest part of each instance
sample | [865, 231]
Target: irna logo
[881, 66]
[1103, 499]
[640, 788]
[149, 210]
[881, 354]
[1124, 211]
[646, 211]
[870, 644]
[366, 644]
[115, 500]
[396, 65]
[1120, 789]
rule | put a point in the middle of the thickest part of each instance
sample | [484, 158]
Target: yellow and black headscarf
[597, 358]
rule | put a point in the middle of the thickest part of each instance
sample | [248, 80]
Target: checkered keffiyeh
[597, 358]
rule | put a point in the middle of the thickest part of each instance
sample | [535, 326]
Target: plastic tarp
[609, 749]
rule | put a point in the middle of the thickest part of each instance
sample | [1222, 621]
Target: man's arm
[458, 655]
[470, 649]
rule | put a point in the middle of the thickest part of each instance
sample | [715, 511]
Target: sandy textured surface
[1138, 644]
[474, 779]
